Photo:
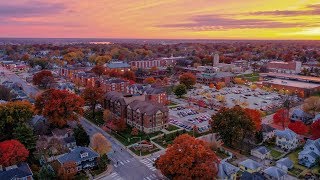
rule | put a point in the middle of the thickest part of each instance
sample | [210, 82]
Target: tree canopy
[24, 134]
[43, 78]
[100, 144]
[92, 96]
[188, 80]
[12, 152]
[180, 90]
[81, 136]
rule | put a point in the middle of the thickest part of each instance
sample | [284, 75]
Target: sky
[161, 19]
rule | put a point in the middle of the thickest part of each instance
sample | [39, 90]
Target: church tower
[216, 59]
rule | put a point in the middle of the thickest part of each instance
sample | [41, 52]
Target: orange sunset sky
[171, 19]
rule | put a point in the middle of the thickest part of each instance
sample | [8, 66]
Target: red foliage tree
[114, 73]
[12, 152]
[43, 78]
[149, 80]
[255, 116]
[281, 116]
[315, 129]
[129, 75]
[59, 106]
[98, 70]
[188, 79]
[298, 127]
[92, 96]
[188, 158]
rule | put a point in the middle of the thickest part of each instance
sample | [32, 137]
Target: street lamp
[139, 141]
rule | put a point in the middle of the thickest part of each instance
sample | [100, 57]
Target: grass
[297, 168]
[221, 154]
[143, 153]
[172, 128]
[250, 77]
[275, 154]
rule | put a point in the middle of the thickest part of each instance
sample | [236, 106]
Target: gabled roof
[287, 133]
[19, 171]
[274, 172]
[74, 155]
[262, 149]
[148, 107]
[251, 164]
[285, 162]
[267, 128]
[117, 64]
[226, 169]
[253, 176]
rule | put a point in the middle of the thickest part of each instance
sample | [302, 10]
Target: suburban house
[250, 166]
[286, 139]
[310, 154]
[227, 171]
[267, 131]
[275, 173]
[83, 157]
[252, 176]
[285, 164]
[66, 136]
[16, 172]
[261, 152]
[300, 115]
[117, 65]
[145, 115]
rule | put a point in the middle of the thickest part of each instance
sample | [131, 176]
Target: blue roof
[274, 172]
[20, 171]
[74, 155]
[285, 162]
[251, 164]
[262, 149]
[287, 133]
[117, 64]
[226, 169]
[253, 176]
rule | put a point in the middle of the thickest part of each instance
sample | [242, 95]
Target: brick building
[292, 67]
[114, 84]
[155, 94]
[160, 62]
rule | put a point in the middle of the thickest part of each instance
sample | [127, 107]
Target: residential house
[83, 157]
[227, 171]
[66, 135]
[261, 152]
[316, 118]
[275, 173]
[267, 131]
[117, 65]
[156, 94]
[20, 171]
[286, 139]
[66, 86]
[310, 154]
[300, 115]
[252, 176]
[285, 164]
[250, 166]
[40, 125]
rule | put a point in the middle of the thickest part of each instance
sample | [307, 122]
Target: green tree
[233, 125]
[81, 136]
[180, 90]
[47, 173]
[25, 135]
[103, 161]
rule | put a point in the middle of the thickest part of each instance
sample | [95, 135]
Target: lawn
[172, 128]
[297, 168]
[251, 77]
[144, 153]
[275, 154]
[221, 154]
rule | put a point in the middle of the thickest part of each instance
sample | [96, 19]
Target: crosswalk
[151, 177]
[118, 163]
[149, 163]
[115, 176]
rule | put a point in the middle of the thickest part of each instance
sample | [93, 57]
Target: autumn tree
[93, 96]
[238, 80]
[180, 90]
[129, 75]
[149, 80]
[220, 85]
[311, 105]
[253, 86]
[281, 116]
[59, 106]
[12, 152]
[134, 132]
[107, 115]
[81, 136]
[100, 144]
[298, 127]
[255, 115]
[43, 79]
[12, 114]
[98, 70]
[5, 93]
[315, 129]
[233, 125]
[188, 158]
[188, 79]
[24, 134]
[67, 170]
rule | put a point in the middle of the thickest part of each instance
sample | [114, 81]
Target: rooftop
[292, 77]
[297, 84]
[17, 171]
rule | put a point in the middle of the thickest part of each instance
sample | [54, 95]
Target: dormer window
[84, 154]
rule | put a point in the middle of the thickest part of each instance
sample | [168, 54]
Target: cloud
[218, 22]
[30, 9]
[313, 9]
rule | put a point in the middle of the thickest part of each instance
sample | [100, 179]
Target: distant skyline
[162, 19]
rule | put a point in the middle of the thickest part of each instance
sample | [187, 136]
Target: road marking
[122, 163]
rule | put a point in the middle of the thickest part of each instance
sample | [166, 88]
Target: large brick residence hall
[147, 116]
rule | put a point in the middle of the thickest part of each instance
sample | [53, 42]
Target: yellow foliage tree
[100, 144]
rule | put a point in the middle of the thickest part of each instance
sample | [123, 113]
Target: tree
[59, 106]
[220, 85]
[25, 135]
[100, 144]
[92, 96]
[129, 75]
[281, 116]
[98, 70]
[237, 80]
[233, 125]
[188, 79]
[5, 93]
[298, 127]
[120, 124]
[107, 115]
[13, 113]
[103, 162]
[67, 170]
[134, 132]
[188, 158]
[47, 173]
[255, 115]
[12, 152]
[149, 80]
[311, 105]
[81, 136]
[315, 126]
[180, 90]
[43, 79]
[211, 85]
[253, 86]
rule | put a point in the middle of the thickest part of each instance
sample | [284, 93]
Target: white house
[227, 171]
[286, 139]
[267, 131]
[261, 152]
[310, 154]
[285, 164]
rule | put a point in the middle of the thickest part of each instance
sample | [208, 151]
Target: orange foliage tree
[100, 144]
[238, 80]
[255, 116]
[98, 70]
[12, 152]
[129, 75]
[134, 132]
[149, 80]
[67, 170]
[220, 85]
[188, 158]
[43, 78]
[188, 79]
[59, 106]
[281, 116]
[298, 127]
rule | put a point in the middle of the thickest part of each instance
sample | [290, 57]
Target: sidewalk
[105, 173]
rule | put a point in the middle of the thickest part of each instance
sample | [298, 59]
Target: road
[125, 165]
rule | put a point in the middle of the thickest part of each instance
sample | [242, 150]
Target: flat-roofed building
[292, 67]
